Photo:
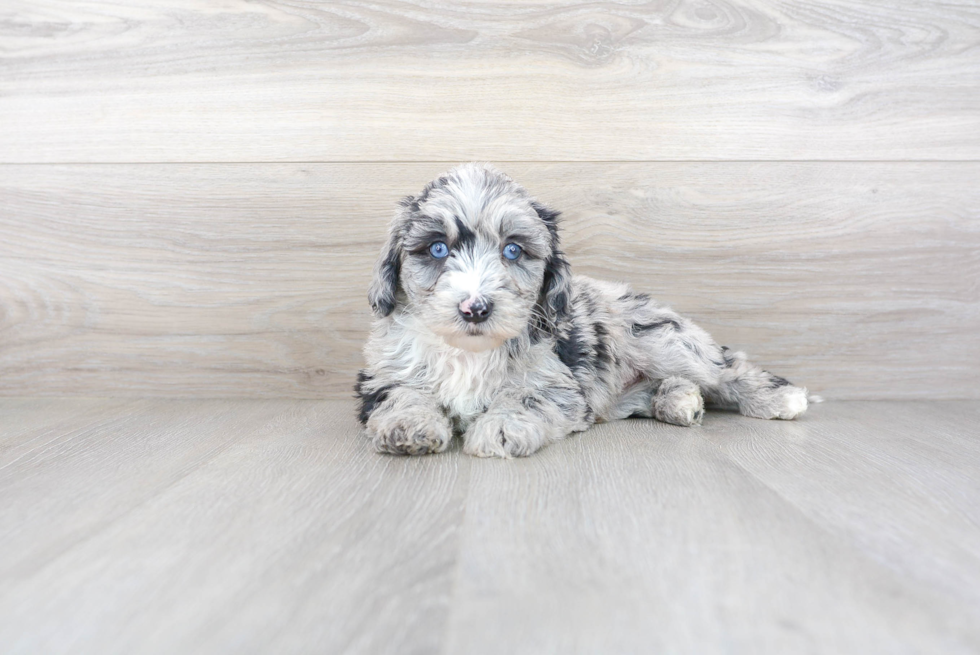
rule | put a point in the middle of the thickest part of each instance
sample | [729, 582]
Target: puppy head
[475, 259]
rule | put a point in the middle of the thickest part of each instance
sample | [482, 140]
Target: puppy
[482, 330]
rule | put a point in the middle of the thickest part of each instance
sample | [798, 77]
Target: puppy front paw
[504, 435]
[417, 432]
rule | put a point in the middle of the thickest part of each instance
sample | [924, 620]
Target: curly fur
[558, 352]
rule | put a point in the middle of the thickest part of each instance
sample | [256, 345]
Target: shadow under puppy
[483, 330]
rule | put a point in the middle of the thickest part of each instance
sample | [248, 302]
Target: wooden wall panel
[857, 279]
[421, 80]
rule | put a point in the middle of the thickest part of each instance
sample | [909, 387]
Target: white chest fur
[463, 381]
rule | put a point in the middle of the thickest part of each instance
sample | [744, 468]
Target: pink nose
[475, 310]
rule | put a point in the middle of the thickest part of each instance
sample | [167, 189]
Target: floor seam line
[457, 564]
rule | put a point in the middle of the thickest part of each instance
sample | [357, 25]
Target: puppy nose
[475, 310]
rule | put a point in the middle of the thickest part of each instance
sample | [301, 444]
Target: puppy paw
[678, 401]
[499, 435]
[784, 402]
[791, 403]
[410, 433]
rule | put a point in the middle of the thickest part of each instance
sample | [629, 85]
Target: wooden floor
[231, 526]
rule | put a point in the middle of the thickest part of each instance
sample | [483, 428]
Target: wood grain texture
[852, 530]
[235, 526]
[858, 280]
[222, 526]
[179, 80]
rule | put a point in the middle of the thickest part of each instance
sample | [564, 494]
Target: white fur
[794, 404]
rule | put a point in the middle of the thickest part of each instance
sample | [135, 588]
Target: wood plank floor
[236, 526]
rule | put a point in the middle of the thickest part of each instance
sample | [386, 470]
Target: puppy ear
[383, 291]
[556, 287]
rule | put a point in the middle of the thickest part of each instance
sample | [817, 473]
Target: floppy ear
[556, 288]
[384, 286]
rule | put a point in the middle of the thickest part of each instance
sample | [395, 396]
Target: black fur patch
[369, 399]
[602, 355]
[639, 328]
[569, 349]
[775, 381]
[384, 303]
[465, 237]
[726, 354]
[530, 402]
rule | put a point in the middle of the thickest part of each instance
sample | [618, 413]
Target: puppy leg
[635, 402]
[674, 400]
[524, 418]
[756, 392]
[670, 345]
[404, 421]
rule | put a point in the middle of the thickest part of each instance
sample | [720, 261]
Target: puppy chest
[466, 383]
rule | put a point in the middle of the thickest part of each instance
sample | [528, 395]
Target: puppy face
[475, 259]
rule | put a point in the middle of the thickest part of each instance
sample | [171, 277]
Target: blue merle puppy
[482, 330]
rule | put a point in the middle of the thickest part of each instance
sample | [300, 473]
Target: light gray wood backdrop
[192, 193]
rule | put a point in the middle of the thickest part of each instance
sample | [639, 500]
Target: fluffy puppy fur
[515, 353]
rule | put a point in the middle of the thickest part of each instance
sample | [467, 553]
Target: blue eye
[512, 251]
[438, 250]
